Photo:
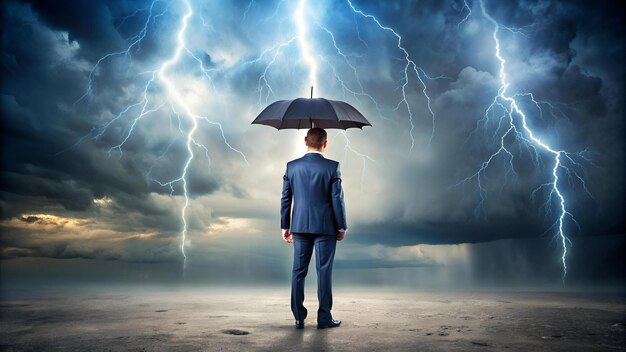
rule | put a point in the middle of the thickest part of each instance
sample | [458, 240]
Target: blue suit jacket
[314, 184]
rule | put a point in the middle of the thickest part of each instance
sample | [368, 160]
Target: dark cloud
[569, 55]
[543, 64]
[100, 26]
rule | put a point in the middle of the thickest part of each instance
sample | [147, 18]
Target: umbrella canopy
[307, 113]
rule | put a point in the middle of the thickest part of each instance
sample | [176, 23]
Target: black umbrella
[306, 113]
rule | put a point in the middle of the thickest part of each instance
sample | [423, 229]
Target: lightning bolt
[303, 42]
[513, 123]
[356, 94]
[162, 77]
[263, 83]
[409, 66]
[305, 24]
[469, 12]
[311, 58]
[135, 42]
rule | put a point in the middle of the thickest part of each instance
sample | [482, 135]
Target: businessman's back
[313, 185]
[318, 206]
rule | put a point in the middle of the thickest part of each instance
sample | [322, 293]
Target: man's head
[316, 139]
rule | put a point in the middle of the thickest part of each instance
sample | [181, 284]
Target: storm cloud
[69, 192]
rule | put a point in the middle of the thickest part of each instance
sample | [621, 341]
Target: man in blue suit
[312, 184]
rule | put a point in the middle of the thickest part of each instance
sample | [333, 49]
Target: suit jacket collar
[314, 154]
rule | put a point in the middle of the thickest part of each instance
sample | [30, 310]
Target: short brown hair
[315, 138]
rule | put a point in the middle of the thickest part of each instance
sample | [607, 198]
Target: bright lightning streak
[364, 157]
[469, 13]
[263, 78]
[163, 75]
[303, 42]
[174, 94]
[308, 58]
[135, 42]
[523, 133]
[361, 92]
[312, 58]
[420, 74]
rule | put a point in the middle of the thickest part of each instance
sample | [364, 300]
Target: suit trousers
[303, 245]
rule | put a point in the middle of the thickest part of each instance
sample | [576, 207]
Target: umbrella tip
[311, 92]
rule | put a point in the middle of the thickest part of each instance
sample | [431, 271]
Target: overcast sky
[83, 170]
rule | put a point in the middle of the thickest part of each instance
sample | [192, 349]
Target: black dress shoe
[333, 324]
[299, 324]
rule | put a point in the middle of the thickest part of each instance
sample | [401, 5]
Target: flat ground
[260, 320]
